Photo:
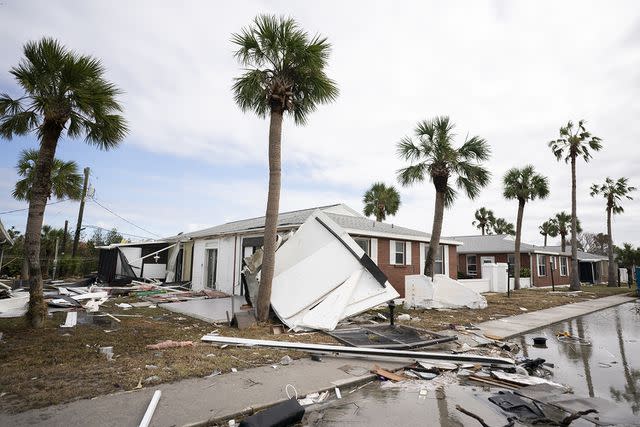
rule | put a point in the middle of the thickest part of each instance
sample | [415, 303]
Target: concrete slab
[212, 310]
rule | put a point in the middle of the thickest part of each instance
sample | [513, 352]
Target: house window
[365, 244]
[511, 264]
[400, 249]
[438, 259]
[553, 264]
[564, 268]
[542, 265]
[472, 265]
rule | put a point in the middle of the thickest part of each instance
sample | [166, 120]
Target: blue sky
[511, 72]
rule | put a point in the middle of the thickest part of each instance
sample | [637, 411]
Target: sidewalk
[200, 399]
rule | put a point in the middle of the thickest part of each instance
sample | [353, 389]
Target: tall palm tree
[502, 226]
[433, 157]
[284, 72]
[523, 185]
[574, 142]
[564, 223]
[549, 228]
[613, 192]
[381, 200]
[64, 94]
[66, 182]
[483, 219]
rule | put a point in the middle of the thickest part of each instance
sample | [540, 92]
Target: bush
[462, 275]
[525, 272]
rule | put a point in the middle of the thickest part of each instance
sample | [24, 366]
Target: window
[553, 264]
[472, 265]
[365, 244]
[400, 248]
[438, 261]
[564, 269]
[542, 265]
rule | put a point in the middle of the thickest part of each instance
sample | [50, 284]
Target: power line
[26, 209]
[119, 232]
[124, 219]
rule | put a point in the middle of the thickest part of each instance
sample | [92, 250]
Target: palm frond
[412, 174]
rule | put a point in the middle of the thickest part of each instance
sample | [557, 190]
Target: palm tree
[284, 72]
[523, 185]
[381, 201]
[549, 228]
[564, 223]
[627, 257]
[65, 94]
[613, 192]
[66, 182]
[433, 157]
[501, 226]
[484, 218]
[574, 142]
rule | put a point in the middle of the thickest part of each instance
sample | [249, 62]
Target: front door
[211, 261]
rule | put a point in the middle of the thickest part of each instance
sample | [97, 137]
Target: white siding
[374, 250]
[407, 252]
[226, 274]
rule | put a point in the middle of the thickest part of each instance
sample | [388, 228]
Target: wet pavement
[609, 368]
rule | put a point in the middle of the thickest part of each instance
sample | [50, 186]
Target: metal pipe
[373, 353]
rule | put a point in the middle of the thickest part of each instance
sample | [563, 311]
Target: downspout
[235, 249]
[593, 274]
[532, 284]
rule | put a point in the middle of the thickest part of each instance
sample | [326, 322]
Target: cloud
[512, 73]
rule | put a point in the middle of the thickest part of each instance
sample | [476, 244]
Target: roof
[4, 236]
[582, 256]
[349, 219]
[496, 243]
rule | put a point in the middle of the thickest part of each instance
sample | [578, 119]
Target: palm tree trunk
[271, 217]
[483, 226]
[611, 279]
[516, 264]
[545, 240]
[434, 242]
[575, 275]
[563, 242]
[40, 192]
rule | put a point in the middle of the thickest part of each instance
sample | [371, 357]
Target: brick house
[212, 258]
[541, 261]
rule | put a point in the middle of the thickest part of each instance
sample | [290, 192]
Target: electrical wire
[124, 219]
[26, 209]
[119, 232]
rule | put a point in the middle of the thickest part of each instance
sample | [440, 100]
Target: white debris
[442, 292]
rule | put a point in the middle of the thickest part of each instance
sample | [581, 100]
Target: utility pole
[55, 260]
[64, 237]
[80, 212]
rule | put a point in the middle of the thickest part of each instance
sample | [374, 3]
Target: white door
[211, 264]
[487, 260]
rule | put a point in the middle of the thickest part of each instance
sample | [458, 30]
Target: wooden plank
[494, 382]
[388, 375]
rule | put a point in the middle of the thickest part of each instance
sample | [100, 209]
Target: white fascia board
[535, 251]
[245, 233]
[393, 236]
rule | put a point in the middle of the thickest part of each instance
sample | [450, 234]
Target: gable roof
[496, 243]
[349, 219]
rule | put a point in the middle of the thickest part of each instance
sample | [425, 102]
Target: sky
[510, 72]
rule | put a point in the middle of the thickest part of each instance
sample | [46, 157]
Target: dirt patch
[56, 365]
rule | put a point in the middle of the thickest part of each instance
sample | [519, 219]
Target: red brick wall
[499, 257]
[557, 278]
[453, 262]
[396, 273]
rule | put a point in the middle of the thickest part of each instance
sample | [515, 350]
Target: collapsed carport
[122, 263]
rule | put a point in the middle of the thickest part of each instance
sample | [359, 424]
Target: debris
[404, 316]
[234, 370]
[287, 413]
[146, 420]
[124, 305]
[523, 309]
[214, 373]
[277, 329]
[472, 415]
[338, 394]
[440, 292]
[150, 367]
[438, 366]
[152, 379]
[108, 351]
[510, 402]
[388, 375]
[243, 319]
[141, 304]
[372, 353]
[113, 317]
[169, 344]
[492, 382]
[522, 380]
[353, 284]
[71, 320]
[387, 336]
[286, 360]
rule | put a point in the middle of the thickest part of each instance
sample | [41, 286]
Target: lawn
[56, 365]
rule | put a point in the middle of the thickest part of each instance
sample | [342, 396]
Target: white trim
[445, 259]
[395, 236]
[407, 253]
[539, 264]
[392, 252]
[374, 250]
[566, 259]
[423, 255]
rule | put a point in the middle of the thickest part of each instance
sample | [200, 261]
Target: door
[211, 264]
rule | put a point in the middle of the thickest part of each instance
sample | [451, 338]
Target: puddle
[609, 368]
